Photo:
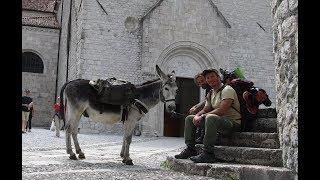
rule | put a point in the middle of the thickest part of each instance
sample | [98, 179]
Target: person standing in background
[27, 104]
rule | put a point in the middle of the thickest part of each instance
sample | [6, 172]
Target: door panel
[187, 96]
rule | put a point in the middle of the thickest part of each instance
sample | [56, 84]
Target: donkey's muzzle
[171, 107]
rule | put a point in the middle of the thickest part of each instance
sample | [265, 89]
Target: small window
[31, 62]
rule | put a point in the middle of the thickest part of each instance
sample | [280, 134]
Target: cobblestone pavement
[44, 157]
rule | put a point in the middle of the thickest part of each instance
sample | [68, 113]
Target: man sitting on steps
[200, 81]
[221, 113]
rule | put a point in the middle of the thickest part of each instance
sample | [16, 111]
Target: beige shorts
[25, 116]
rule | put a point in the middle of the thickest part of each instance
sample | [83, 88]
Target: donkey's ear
[173, 75]
[161, 74]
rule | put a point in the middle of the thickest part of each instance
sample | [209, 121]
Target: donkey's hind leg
[68, 144]
[76, 145]
[72, 126]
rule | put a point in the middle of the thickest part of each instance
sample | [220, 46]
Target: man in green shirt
[221, 113]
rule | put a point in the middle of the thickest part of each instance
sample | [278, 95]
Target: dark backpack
[240, 86]
[114, 91]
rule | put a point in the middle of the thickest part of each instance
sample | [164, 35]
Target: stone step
[266, 125]
[267, 113]
[230, 171]
[251, 139]
[247, 155]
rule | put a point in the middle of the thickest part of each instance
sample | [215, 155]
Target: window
[31, 62]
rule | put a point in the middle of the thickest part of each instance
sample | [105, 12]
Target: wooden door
[187, 96]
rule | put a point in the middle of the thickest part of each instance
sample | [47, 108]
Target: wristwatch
[203, 115]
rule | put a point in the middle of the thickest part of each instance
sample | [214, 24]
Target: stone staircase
[245, 155]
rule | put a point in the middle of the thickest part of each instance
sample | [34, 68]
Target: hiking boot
[204, 157]
[199, 140]
[186, 153]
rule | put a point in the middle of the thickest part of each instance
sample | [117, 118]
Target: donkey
[80, 98]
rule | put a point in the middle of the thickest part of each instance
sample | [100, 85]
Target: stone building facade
[40, 38]
[126, 39]
[285, 34]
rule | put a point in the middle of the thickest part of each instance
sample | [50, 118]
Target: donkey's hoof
[73, 157]
[81, 156]
[127, 162]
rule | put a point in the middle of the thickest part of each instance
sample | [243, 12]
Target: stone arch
[198, 57]
[197, 53]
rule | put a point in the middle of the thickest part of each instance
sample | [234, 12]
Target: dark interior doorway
[187, 96]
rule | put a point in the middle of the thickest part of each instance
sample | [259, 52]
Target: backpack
[114, 91]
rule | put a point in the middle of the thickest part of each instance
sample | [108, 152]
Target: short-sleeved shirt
[25, 100]
[226, 93]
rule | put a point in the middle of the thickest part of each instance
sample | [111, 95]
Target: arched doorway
[31, 62]
[187, 59]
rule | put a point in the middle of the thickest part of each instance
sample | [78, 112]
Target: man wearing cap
[221, 113]
[27, 104]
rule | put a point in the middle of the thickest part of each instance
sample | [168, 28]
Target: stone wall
[285, 35]
[250, 41]
[43, 42]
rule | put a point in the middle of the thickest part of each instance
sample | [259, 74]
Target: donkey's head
[168, 89]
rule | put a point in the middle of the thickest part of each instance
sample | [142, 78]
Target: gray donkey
[81, 98]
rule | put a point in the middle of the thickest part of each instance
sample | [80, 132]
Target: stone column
[285, 41]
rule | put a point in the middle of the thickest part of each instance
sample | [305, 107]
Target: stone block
[289, 26]
[267, 113]
[224, 172]
[294, 137]
[282, 11]
[251, 139]
[274, 4]
[267, 125]
[247, 155]
[230, 170]
[293, 4]
[285, 50]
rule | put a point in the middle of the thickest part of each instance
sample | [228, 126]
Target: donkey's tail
[62, 108]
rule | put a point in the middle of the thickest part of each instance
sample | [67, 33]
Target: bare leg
[57, 124]
[24, 125]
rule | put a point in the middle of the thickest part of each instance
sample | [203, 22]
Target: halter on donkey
[80, 97]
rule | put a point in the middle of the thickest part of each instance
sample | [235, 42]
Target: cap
[207, 71]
